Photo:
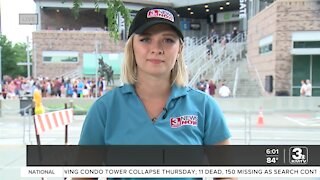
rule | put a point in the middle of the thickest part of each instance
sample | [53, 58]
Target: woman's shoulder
[197, 94]
[116, 92]
[194, 91]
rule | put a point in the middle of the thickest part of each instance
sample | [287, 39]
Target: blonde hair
[179, 75]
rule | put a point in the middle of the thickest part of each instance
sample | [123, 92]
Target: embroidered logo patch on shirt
[160, 13]
[187, 120]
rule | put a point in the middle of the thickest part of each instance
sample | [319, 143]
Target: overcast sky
[10, 10]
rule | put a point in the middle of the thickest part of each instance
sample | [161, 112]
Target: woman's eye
[168, 40]
[145, 39]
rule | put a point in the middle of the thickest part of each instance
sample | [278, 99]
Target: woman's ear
[180, 51]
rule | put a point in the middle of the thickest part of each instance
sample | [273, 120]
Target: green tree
[10, 56]
[114, 8]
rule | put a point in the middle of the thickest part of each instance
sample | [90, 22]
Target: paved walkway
[276, 128]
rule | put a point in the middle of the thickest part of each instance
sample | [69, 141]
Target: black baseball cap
[148, 17]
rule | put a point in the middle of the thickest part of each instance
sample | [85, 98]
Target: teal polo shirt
[119, 117]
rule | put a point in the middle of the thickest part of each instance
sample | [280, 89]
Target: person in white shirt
[303, 88]
[224, 91]
[308, 91]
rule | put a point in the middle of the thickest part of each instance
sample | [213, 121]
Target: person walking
[303, 88]
[212, 88]
[308, 90]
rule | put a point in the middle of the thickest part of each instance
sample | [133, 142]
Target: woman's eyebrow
[165, 34]
[170, 34]
[145, 34]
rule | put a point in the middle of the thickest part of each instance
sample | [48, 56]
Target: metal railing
[22, 128]
[222, 56]
[26, 115]
[246, 133]
[235, 85]
[258, 77]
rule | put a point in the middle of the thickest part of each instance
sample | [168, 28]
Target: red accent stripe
[41, 124]
[61, 118]
[55, 119]
[48, 121]
[67, 114]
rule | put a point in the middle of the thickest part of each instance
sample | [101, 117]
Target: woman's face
[156, 51]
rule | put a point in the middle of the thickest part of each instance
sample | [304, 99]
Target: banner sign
[228, 16]
[60, 56]
[195, 26]
[243, 9]
[28, 19]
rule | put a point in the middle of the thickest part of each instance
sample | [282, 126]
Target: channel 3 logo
[298, 155]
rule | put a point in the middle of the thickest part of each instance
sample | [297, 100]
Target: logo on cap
[160, 13]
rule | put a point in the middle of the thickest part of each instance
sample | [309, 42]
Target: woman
[212, 88]
[154, 107]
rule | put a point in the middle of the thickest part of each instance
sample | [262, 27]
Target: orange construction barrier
[260, 118]
[51, 120]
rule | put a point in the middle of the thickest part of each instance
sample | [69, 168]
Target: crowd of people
[222, 39]
[14, 88]
[209, 87]
[82, 87]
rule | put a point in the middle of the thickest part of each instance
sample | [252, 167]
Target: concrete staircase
[247, 86]
[227, 65]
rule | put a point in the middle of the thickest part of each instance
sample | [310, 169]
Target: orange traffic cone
[260, 118]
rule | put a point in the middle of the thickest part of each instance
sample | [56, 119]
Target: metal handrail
[222, 55]
[257, 74]
[235, 49]
[235, 85]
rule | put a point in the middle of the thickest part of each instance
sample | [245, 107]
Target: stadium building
[283, 46]
[279, 45]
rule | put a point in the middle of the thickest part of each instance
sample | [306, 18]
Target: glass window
[306, 44]
[60, 56]
[300, 71]
[265, 49]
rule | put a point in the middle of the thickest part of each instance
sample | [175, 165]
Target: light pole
[97, 66]
[28, 58]
[0, 68]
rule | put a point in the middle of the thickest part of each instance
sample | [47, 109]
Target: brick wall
[82, 42]
[280, 19]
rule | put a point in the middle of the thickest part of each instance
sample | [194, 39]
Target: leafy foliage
[11, 55]
[76, 7]
[115, 8]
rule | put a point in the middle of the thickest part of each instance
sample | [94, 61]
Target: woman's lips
[155, 61]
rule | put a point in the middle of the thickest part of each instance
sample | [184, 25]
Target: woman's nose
[157, 48]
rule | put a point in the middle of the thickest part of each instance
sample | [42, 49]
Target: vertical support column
[66, 128]
[28, 57]
[34, 60]
[0, 69]
[97, 67]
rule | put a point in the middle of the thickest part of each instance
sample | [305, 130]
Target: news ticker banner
[170, 172]
[131, 155]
